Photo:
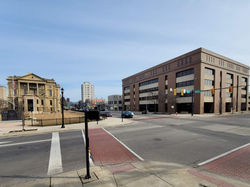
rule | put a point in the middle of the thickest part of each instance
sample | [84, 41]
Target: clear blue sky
[104, 41]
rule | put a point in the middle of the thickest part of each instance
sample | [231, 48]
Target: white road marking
[137, 128]
[90, 157]
[22, 143]
[221, 155]
[4, 142]
[55, 159]
[140, 158]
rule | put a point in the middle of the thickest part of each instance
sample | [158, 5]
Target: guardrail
[55, 121]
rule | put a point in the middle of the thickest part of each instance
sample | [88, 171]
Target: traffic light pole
[192, 103]
[87, 146]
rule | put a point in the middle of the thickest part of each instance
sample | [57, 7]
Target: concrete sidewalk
[137, 174]
[10, 128]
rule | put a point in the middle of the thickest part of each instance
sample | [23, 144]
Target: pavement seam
[80, 178]
[115, 180]
[154, 175]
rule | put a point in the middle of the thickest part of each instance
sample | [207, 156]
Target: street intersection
[210, 143]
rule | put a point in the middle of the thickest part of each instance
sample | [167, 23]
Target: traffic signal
[182, 92]
[175, 91]
[230, 89]
[212, 91]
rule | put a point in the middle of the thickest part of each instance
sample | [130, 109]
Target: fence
[56, 121]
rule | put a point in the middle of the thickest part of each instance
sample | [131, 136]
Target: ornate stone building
[30, 93]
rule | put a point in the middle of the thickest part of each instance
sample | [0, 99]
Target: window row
[184, 73]
[184, 84]
[184, 61]
[148, 98]
[127, 88]
[125, 94]
[149, 90]
[149, 82]
[114, 102]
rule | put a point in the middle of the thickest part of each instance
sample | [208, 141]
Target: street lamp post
[62, 109]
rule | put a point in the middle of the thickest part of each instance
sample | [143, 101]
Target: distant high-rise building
[88, 91]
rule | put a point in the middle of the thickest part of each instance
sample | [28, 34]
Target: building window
[208, 82]
[51, 102]
[208, 93]
[184, 73]
[37, 101]
[243, 96]
[149, 90]
[149, 82]
[127, 88]
[166, 77]
[209, 71]
[50, 92]
[243, 79]
[228, 95]
[185, 83]
[229, 76]
[41, 102]
[125, 94]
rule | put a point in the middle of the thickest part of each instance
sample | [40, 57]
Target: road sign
[197, 91]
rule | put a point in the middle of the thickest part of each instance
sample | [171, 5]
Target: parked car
[127, 114]
[105, 114]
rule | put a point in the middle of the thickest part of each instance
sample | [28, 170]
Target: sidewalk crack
[115, 180]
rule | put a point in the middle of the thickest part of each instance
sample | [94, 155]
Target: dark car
[127, 114]
[105, 114]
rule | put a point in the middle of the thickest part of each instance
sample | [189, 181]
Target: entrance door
[30, 105]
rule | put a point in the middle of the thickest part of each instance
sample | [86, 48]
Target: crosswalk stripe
[55, 159]
[23, 143]
[90, 158]
[4, 142]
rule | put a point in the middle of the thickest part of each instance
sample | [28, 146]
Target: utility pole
[192, 103]
[62, 109]
[87, 146]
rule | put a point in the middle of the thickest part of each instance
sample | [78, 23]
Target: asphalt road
[187, 141]
[26, 158]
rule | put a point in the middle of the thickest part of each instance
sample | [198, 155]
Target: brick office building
[198, 71]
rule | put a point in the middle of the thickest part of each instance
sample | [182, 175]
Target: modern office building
[87, 91]
[184, 84]
[115, 102]
[31, 93]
